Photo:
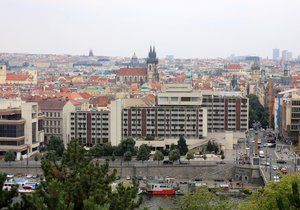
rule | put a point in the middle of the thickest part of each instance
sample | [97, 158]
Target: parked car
[167, 162]
[281, 161]
[275, 168]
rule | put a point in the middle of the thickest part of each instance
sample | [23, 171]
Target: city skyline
[191, 29]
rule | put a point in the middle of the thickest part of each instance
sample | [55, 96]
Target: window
[174, 98]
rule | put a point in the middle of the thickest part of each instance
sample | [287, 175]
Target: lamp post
[27, 161]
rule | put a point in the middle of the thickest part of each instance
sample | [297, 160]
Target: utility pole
[27, 154]
[295, 169]
[270, 169]
[121, 168]
[267, 158]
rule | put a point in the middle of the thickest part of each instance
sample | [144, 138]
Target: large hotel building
[181, 111]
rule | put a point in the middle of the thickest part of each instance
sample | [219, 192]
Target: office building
[276, 54]
[21, 128]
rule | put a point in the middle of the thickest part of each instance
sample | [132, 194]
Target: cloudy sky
[184, 28]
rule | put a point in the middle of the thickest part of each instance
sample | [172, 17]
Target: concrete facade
[21, 127]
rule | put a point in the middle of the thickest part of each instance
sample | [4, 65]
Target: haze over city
[188, 29]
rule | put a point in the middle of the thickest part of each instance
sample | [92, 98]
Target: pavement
[282, 151]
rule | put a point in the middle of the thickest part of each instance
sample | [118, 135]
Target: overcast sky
[183, 28]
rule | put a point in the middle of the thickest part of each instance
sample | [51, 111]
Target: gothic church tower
[152, 61]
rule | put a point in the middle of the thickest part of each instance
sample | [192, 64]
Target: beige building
[289, 114]
[21, 128]
[57, 118]
[2, 74]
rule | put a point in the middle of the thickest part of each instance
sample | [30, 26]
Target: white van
[261, 154]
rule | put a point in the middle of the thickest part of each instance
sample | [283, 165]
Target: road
[280, 152]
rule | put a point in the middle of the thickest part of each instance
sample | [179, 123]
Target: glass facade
[11, 130]
[34, 132]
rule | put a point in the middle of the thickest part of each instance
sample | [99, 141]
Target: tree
[257, 113]
[9, 156]
[6, 197]
[57, 145]
[204, 157]
[181, 145]
[113, 157]
[209, 146]
[222, 156]
[189, 156]
[127, 156]
[143, 152]
[276, 195]
[173, 147]
[77, 183]
[126, 145]
[203, 199]
[158, 156]
[174, 155]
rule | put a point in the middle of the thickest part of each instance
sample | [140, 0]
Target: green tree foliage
[126, 145]
[172, 147]
[174, 155]
[113, 157]
[203, 199]
[6, 196]
[276, 195]
[222, 156]
[101, 150]
[9, 156]
[257, 113]
[57, 145]
[212, 147]
[127, 156]
[158, 156]
[143, 152]
[181, 145]
[190, 156]
[77, 183]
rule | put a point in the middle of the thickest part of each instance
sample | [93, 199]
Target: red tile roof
[132, 72]
[101, 101]
[233, 66]
[16, 77]
[51, 104]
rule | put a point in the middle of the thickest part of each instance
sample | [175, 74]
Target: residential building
[21, 127]
[287, 114]
[90, 127]
[57, 112]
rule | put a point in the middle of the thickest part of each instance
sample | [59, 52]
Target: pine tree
[181, 145]
[143, 152]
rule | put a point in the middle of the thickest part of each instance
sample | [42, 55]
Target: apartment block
[226, 110]
[165, 121]
[21, 127]
[90, 127]
[287, 114]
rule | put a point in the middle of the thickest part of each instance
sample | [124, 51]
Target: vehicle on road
[279, 161]
[167, 162]
[275, 168]
[261, 154]
[284, 170]
[276, 178]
